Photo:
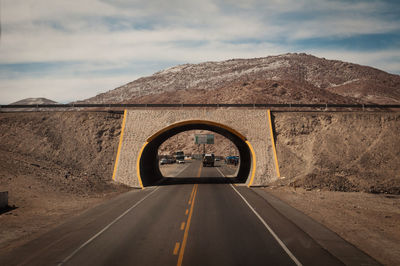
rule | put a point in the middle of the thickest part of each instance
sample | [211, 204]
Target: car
[164, 161]
[180, 161]
[232, 160]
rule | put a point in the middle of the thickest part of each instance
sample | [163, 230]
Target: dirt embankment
[78, 148]
[54, 164]
[340, 151]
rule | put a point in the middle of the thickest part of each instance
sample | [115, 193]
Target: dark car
[167, 161]
[163, 161]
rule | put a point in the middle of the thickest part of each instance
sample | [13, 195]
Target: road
[197, 218]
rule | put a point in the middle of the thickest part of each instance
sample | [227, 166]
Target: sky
[68, 50]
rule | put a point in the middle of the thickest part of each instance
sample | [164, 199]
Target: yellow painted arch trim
[190, 122]
[254, 163]
[273, 144]
[138, 165]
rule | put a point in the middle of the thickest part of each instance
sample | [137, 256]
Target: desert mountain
[288, 78]
[34, 101]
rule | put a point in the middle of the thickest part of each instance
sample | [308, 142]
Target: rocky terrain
[288, 78]
[54, 165]
[339, 151]
[34, 101]
[76, 146]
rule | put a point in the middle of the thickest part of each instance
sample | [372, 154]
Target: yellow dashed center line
[191, 196]
[186, 233]
[199, 172]
[176, 248]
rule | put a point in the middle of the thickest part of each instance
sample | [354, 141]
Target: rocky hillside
[288, 78]
[34, 101]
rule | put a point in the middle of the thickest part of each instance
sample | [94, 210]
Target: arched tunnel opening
[149, 170]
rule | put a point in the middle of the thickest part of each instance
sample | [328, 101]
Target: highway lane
[225, 231]
[199, 224]
[209, 222]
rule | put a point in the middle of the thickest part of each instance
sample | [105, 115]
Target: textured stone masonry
[143, 123]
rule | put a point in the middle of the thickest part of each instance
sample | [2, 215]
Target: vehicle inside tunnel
[150, 159]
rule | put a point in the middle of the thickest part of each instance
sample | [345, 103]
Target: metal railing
[220, 105]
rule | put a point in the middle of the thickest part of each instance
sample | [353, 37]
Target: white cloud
[332, 27]
[42, 44]
[26, 11]
[84, 38]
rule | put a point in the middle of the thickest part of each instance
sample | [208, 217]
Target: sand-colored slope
[340, 151]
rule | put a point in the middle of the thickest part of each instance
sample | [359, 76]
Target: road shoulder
[327, 239]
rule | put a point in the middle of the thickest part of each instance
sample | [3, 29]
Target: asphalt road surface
[197, 218]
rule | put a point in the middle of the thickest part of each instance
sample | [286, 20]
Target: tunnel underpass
[148, 161]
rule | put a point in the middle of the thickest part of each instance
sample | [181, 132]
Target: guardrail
[185, 105]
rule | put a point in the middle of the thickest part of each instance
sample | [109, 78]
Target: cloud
[97, 41]
[27, 11]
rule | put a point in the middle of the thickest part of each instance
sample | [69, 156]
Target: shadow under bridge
[148, 163]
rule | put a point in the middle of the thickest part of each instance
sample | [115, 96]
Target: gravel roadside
[368, 221]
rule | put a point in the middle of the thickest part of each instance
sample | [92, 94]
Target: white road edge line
[221, 172]
[228, 176]
[183, 169]
[105, 228]
[285, 248]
